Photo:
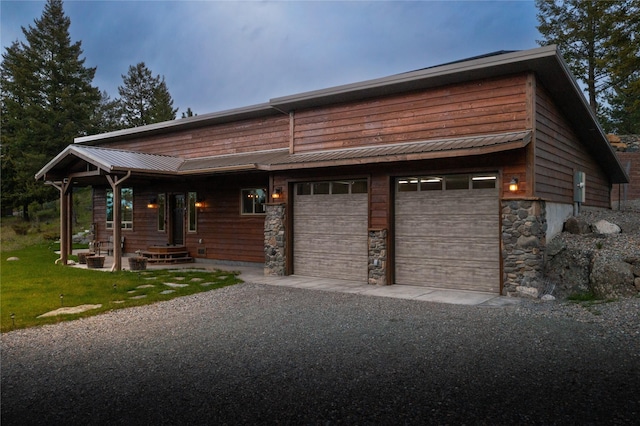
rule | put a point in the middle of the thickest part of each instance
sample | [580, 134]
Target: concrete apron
[255, 274]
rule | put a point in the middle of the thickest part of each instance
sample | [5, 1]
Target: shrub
[21, 228]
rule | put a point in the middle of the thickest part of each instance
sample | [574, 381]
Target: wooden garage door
[447, 232]
[330, 225]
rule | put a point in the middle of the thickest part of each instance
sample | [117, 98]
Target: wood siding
[230, 138]
[226, 234]
[558, 154]
[479, 107]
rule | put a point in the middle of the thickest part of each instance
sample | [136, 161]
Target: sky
[220, 55]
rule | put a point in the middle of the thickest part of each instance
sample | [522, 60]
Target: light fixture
[277, 193]
[199, 203]
[152, 204]
[513, 185]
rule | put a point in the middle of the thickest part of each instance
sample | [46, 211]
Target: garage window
[334, 187]
[447, 183]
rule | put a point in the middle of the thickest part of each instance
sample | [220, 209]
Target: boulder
[605, 227]
[611, 279]
[529, 292]
[12, 259]
[577, 225]
[636, 283]
[569, 268]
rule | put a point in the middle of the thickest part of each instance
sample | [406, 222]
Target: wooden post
[63, 187]
[116, 183]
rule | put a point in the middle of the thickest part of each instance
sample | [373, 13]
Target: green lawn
[32, 286]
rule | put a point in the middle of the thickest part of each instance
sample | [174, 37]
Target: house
[453, 176]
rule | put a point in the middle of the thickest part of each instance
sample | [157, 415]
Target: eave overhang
[114, 161]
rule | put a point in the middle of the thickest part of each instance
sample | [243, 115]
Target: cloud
[218, 55]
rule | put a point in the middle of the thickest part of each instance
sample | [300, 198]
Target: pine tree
[47, 100]
[580, 29]
[599, 40]
[624, 58]
[144, 99]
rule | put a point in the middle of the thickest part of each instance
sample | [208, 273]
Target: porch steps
[167, 254]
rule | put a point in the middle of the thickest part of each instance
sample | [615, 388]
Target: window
[126, 209]
[448, 182]
[192, 212]
[484, 181]
[162, 212]
[334, 187]
[253, 200]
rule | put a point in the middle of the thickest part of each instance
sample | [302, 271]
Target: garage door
[330, 225]
[447, 232]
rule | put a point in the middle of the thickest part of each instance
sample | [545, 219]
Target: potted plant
[138, 263]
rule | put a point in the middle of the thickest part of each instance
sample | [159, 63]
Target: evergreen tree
[188, 113]
[47, 100]
[581, 30]
[144, 99]
[599, 40]
[624, 59]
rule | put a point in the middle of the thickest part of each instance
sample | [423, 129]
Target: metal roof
[422, 150]
[111, 160]
[115, 160]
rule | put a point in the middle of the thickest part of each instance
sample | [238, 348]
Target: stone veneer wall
[524, 226]
[274, 240]
[378, 257]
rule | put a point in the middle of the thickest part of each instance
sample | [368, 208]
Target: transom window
[253, 200]
[334, 187]
[126, 209]
[447, 182]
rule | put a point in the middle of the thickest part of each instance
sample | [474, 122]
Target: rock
[12, 259]
[611, 279]
[555, 247]
[530, 292]
[605, 227]
[547, 297]
[636, 283]
[526, 242]
[576, 225]
[569, 268]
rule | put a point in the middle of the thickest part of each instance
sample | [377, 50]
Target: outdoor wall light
[199, 203]
[277, 193]
[152, 204]
[513, 185]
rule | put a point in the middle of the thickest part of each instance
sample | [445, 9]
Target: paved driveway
[259, 354]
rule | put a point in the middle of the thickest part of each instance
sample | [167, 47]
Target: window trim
[126, 225]
[253, 213]
[192, 225]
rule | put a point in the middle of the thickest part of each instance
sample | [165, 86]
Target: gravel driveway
[256, 354]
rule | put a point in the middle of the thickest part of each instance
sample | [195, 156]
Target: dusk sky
[219, 55]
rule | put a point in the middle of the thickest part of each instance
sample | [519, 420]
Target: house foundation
[524, 227]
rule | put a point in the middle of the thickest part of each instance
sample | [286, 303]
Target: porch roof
[106, 160]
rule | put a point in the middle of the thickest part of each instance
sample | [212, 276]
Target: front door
[178, 209]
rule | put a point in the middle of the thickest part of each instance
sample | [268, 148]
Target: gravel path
[255, 354]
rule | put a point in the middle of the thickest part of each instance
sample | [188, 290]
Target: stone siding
[524, 228]
[378, 257]
[275, 259]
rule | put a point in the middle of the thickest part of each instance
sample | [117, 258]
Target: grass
[32, 286]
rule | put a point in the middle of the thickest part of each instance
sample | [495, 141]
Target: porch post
[69, 200]
[63, 187]
[117, 219]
